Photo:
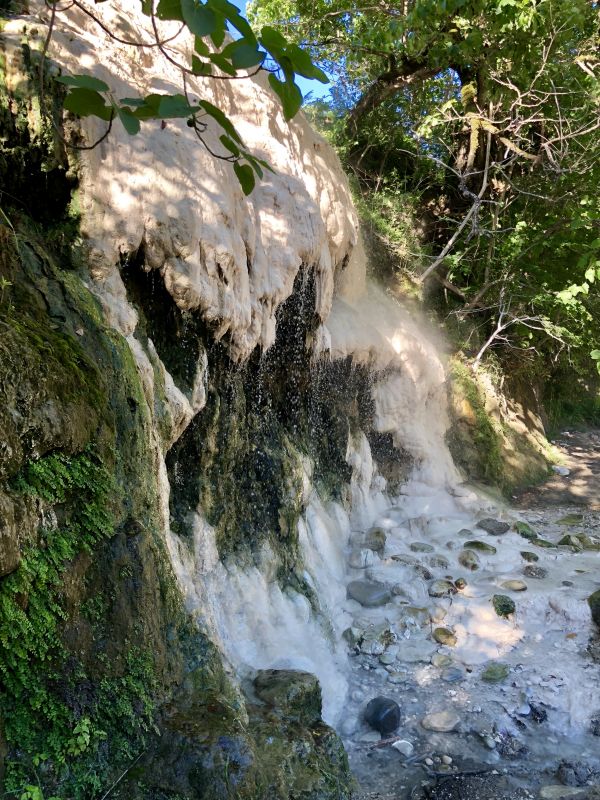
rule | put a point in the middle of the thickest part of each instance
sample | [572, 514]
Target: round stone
[383, 714]
[533, 571]
[421, 547]
[503, 605]
[525, 530]
[375, 541]
[514, 585]
[481, 547]
[526, 555]
[438, 562]
[453, 674]
[469, 560]
[439, 660]
[445, 636]
[441, 721]
[368, 594]
[441, 588]
[495, 673]
[493, 526]
[438, 613]
[361, 558]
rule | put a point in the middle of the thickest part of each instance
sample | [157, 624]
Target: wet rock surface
[369, 594]
[295, 694]
[493, 678]
[493, 526]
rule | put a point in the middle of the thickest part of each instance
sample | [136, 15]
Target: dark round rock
[383, 714]
[493, 526]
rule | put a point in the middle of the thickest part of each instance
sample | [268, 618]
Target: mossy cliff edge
[107, 688]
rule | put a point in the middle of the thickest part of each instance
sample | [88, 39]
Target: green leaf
[130, 122]
[175, 105]
[595, 354]
[254, 164]
[87, 103]
[218, 35]
[230, 145]
[201, 47]
[84, 82]
[133, 102]
[302, 64]
[245, 176]
[222, 63]
[232, 15]
[201, 67]
[243, 55]
[200, 19]
[272, 40]
[170, 9]
[289, 94]
[222, 119]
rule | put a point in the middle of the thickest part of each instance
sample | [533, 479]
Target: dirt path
[580, 452]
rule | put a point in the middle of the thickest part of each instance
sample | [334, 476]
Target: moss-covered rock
[594, 603]
[294, 694]
[503, 605]
[491, 437]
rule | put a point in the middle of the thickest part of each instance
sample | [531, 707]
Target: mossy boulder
[503, 605]
[481, 547]
[375, 540]
[525, 530]
[292, 693]
[594, 603]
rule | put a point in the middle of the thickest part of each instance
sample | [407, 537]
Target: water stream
[514, 690]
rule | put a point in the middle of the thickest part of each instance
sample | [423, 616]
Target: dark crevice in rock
[239, 459]
[178, 336]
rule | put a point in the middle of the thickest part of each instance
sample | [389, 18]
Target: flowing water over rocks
[505, 703]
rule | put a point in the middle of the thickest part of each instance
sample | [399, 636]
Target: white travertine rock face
[233, 258]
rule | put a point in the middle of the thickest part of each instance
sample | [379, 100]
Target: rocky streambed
[475, 662]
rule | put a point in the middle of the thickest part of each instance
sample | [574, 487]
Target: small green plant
[37, 673]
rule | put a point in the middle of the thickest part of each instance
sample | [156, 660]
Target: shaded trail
[580, 451]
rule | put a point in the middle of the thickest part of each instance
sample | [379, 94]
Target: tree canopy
[486, 113]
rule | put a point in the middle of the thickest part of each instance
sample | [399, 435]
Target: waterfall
[161, 203]
[256, 622]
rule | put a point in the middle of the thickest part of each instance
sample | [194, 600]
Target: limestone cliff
[134, 277]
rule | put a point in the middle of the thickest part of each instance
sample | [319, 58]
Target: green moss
[37, 721]
[484, 458]
[486, 446]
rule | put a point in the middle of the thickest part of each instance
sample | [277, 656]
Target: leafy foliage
[485, 114]
[212, 23]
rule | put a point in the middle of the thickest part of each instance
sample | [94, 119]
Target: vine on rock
[225, 48]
